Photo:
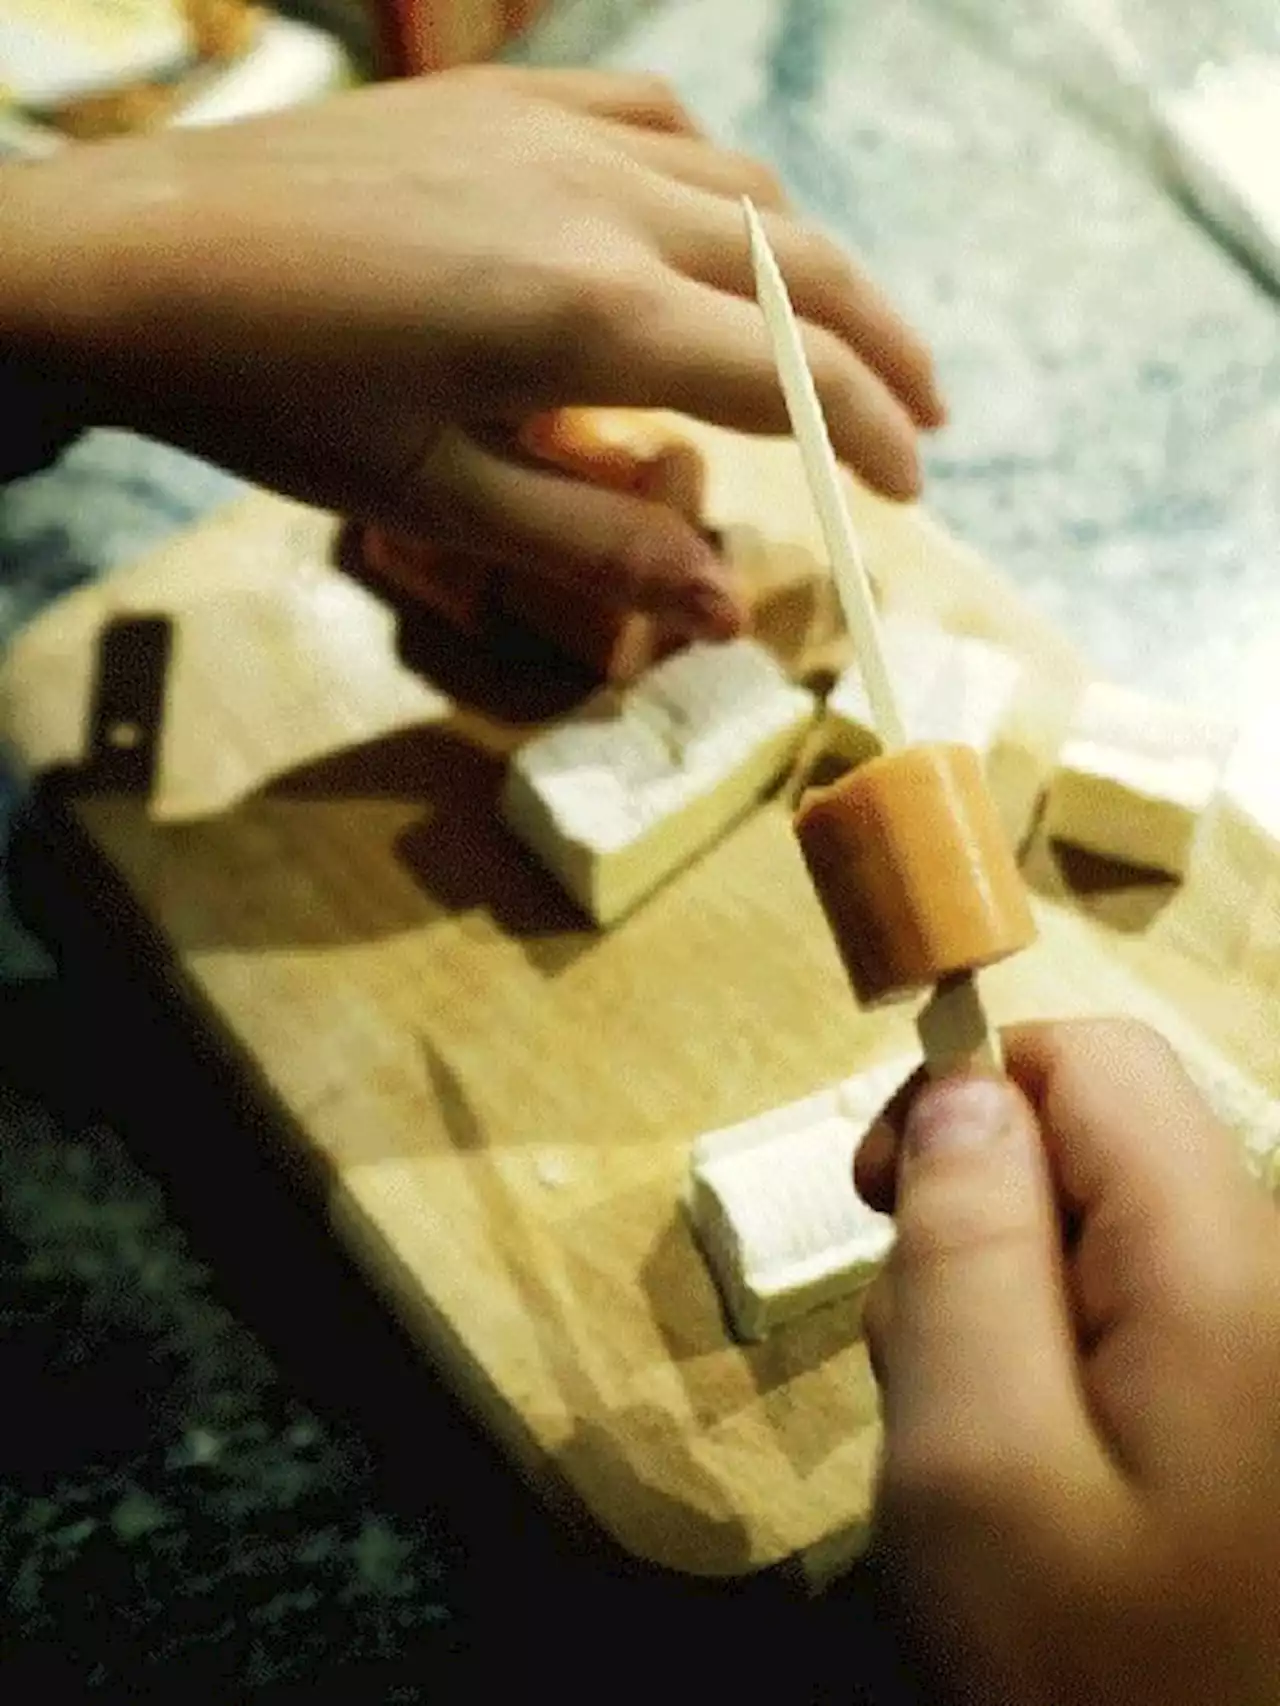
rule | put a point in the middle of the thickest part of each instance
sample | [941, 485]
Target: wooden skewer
[853, 584]
[953, 1028]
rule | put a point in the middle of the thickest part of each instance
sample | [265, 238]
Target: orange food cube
[914, 870]
[626, 450]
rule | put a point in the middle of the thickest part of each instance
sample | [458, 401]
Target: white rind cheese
[1222, 135]
[1135, 777]
[774, 1208]
[634, 785]
[782, 1229]
[951, 687]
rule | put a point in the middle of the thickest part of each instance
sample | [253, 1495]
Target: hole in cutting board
[127, 706]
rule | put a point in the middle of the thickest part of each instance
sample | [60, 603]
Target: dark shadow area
[127, 706]
[456, 852]
[1121, 897]
[517, 1580]
[512, 678]
[690, 1318]
[117, 1043]
[600, 1457]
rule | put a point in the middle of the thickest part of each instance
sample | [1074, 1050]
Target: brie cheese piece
[634, 785]
[1134, 778]
[773, 1205]
[775, 1213]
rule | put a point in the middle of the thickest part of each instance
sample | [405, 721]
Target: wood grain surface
[295, 786]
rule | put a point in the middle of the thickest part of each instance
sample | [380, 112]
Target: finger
[1174, 1270]
[877, 1321]
[1155, 1181]
[621, 548]
[980, 1369]
[1140, 1162]
[875, 1165]
[703, 166]
[1103, 1086]
[630, 98]
[708, 243]
[706, 354]
[1176, 1247]
[451, 586]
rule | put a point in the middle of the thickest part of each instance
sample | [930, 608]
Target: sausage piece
[623, 449]
[613, 644]
[914, 870]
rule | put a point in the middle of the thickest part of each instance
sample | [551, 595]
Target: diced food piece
[639, 781]
[914, 870]
[949, 687]
[774, 1209]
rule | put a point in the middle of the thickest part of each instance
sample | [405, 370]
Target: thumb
[977, 1356]
[613, 546]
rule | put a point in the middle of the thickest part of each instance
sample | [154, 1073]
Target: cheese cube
[634, 785]
[773, 1205]
[1135, 777]
[1239, 1102]
[950, 687]
[782, 1229]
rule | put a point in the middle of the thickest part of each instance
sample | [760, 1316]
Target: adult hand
[356, 302]
[1078, 1339]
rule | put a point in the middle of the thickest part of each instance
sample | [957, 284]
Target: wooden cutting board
[501, 1100]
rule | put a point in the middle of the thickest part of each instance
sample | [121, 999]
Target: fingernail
[960, 1113]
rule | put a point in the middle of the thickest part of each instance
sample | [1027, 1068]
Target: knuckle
[1135, 1036]
[1139, 1034]
[598, 309]
[830, 363]
[655, 92]
[967, 1223]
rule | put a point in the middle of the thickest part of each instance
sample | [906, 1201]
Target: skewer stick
[952, 1024]
[853, 584]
